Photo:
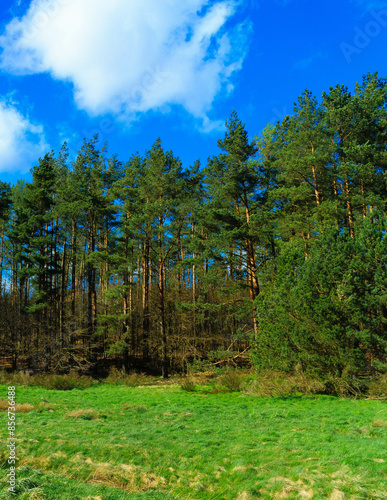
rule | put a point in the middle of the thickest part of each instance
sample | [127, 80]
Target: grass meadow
[159, 442]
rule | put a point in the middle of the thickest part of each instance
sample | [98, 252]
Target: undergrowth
[66, 382]
[263, 384]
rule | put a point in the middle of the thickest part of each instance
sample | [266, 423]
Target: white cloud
[128, 57]
[21, 142]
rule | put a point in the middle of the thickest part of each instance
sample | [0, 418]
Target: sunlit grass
[163, 443]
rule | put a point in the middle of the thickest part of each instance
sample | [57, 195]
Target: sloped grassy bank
[161, 442]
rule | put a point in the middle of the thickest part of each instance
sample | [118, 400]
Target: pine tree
[303, 177]
[90, 206]
[233, 185]
[162, 187]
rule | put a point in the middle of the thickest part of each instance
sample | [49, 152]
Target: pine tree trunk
[126, 301]
[145, 300]
[1, 258]
[106, 265]
[91, 290]
[62, 296]
[163, 333]
[194, 293]
[91, 294]
[252, 272]
[73, 268]
[316, 190]
[161, 279]
[349, 207]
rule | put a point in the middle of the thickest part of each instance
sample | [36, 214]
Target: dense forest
[274, 253]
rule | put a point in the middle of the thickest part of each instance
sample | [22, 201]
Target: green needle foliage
[328, 313]
[272, 254]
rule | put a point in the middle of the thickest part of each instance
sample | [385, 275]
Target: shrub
[271, 383]
[16, 378]
[346, 387]
[230, 381]
[378, 388]
[327, 312]
[188, 385]
[49, 381]
[66, 382]
[117, 377]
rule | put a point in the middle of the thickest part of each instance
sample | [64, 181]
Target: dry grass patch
[202, 378]
[37, 494]
[19, 408]
[64, 382]
[37, 462]
[15, 378]
[4, 405]
[59, 454]
[118, 377]
[124, 476]
[83, 414]
[379, 423]
[105, 474]
[23, 408]
[239, 468]
[337, 495]
[243, 495]
[152, 481]
[290, 488]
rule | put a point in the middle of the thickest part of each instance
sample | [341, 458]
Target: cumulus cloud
[21, 142]
[128, 57]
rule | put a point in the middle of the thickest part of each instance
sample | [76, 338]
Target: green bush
[188, 385]
[377, 388]
[230, 381]
[327, 312]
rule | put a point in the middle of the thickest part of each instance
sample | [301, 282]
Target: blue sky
[132, 71]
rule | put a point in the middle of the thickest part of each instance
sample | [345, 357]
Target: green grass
[163, 443]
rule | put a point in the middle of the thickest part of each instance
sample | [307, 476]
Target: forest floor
[159, 442]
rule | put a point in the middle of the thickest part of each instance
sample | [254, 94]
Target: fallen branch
[231, 358]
